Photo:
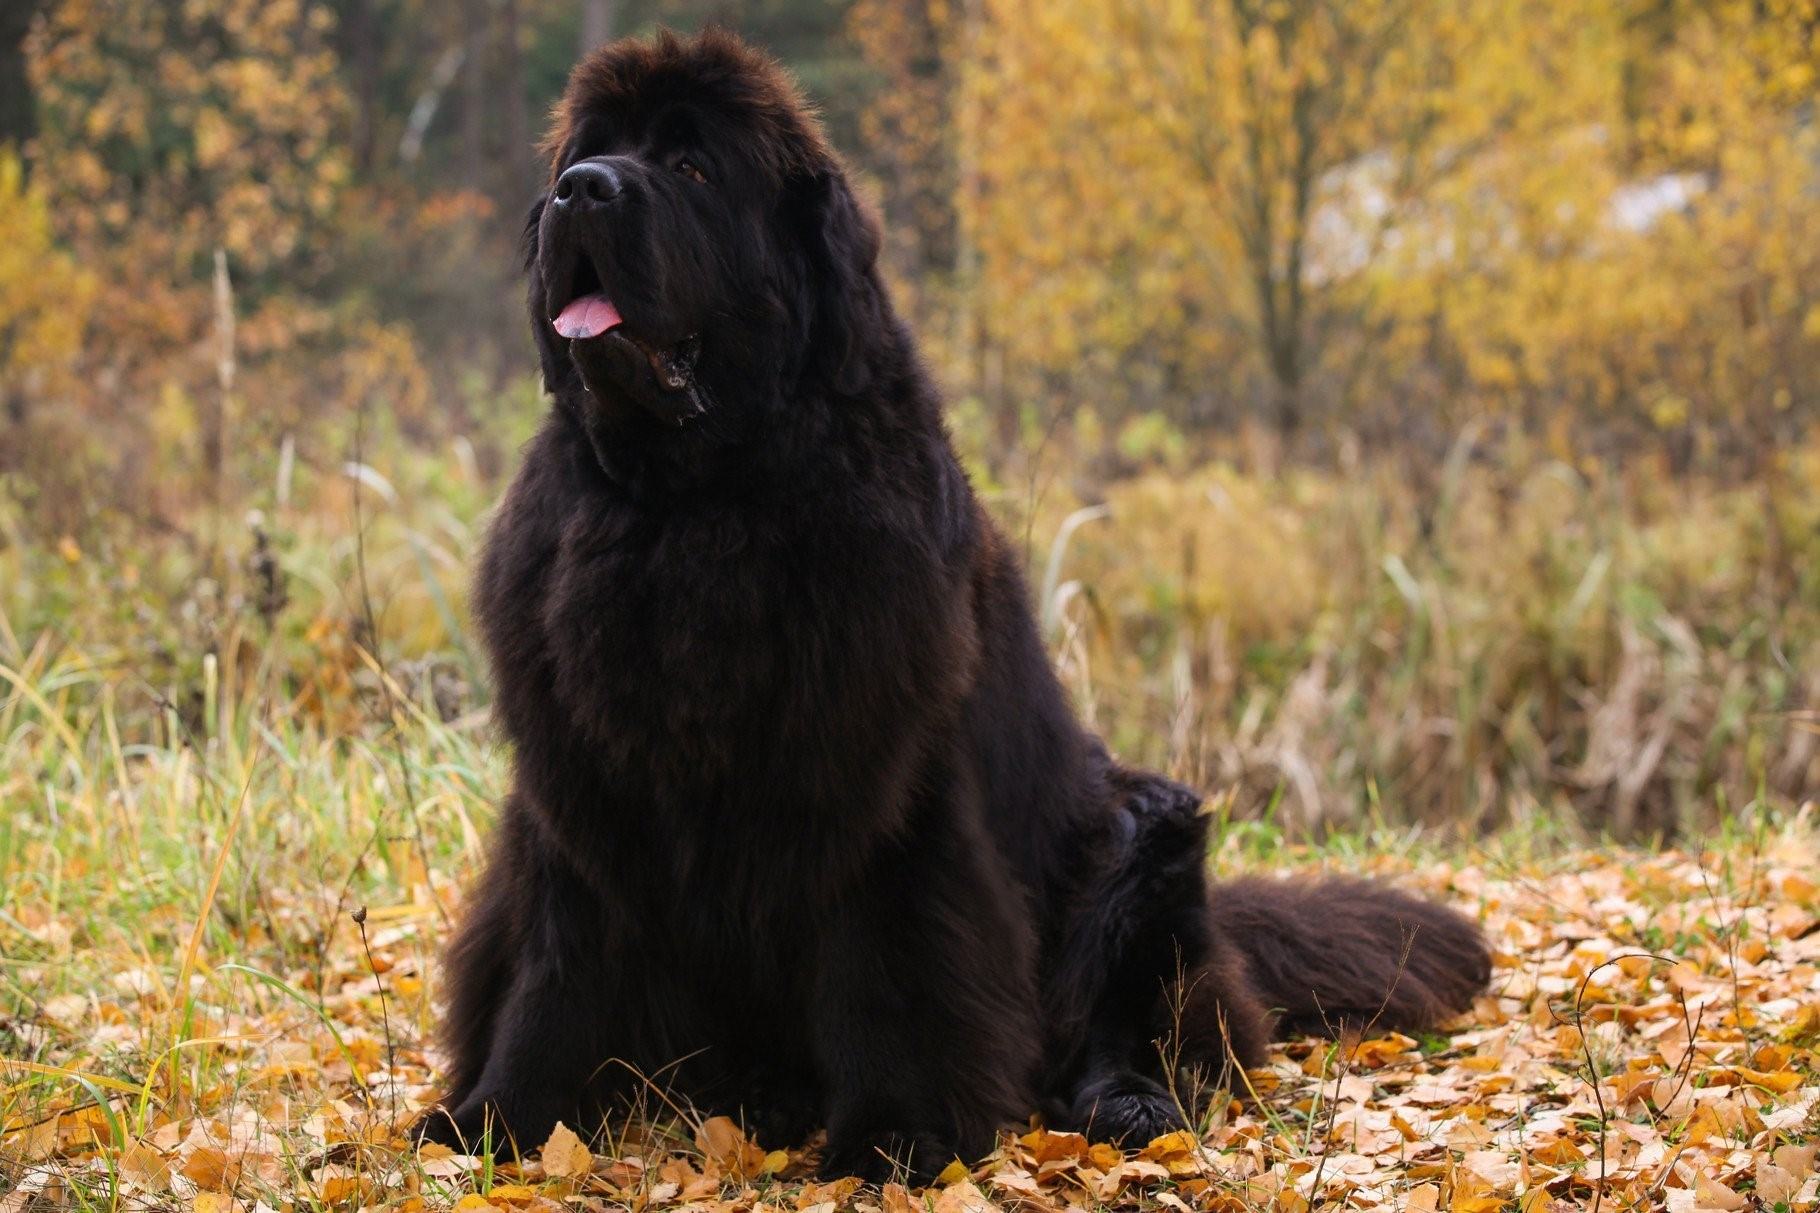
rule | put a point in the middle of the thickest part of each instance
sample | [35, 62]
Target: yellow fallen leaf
[721, 1141]
[1780, 1081]
[1046, 1146]
[337, 1189]
[511, 1194]
[1178, 1144]
[838, 1191]
[145, 1167]
[953, 1173]
[963, 1197]
[1536, 1200]
[1804, 1025]
[1381, 1051]
[1704, 1123]
[1711, 1194]
[1478, 1204]
[1632, 1084]
[564, 1154]
[474, 1202]
[1634, 966]
[897, 1199]
[210, 1169]
[1773, 1057]
[1104, 1156]
[1775, 1185]
[1560, 1152]
[1797, 1160]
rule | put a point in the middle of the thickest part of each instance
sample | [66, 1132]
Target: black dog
[802, 825]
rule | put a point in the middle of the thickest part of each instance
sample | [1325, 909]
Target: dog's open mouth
[590, 314]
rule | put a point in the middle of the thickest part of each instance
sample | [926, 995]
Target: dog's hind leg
[1142, 944]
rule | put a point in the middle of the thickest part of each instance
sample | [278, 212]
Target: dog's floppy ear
[552, 352]
[527, 240]
[842, 240]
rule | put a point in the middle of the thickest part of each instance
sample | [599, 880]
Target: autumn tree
[44, 303]
[200, 159]
[1279, 97]
[906, 125]
[1648, 267]
[179, 129]
[17, 122]
[1396, 215]
[1170, 162]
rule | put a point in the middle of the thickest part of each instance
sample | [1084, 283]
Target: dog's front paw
[1126, 1109]
[877, 1158]
[781, 1118]
[479, 1125]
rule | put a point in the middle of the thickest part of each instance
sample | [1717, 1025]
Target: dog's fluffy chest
[721, 660]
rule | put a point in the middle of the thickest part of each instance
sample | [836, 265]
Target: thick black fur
[802, 826]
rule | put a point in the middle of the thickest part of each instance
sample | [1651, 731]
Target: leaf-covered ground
[1649, 1043]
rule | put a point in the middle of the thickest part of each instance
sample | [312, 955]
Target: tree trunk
[518, 164]
[360, 43]
[18, 118]
[597, 21]
[474, 95]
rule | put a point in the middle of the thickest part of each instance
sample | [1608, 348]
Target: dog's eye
[687, 168]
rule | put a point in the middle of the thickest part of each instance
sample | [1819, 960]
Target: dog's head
[697, 247]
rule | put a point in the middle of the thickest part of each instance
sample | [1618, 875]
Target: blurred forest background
[1408, 406]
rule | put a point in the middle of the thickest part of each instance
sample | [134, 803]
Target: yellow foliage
[179, 129]
[45, 298]
[1520, 206]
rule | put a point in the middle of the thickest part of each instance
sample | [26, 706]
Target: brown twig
[385, 1015]
[1578, 1023]
[370, 622]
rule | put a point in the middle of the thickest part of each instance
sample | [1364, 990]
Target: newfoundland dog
[802, 826]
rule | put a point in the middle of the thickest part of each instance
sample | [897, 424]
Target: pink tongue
[588, 316]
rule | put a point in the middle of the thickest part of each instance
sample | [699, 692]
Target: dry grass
[204, 773]
[193, 1017]
[1633, 654]
[1465, 646]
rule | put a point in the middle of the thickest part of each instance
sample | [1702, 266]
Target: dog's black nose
[588, 183]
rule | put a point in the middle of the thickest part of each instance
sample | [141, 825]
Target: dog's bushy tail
[1332, 955]
[1254, 958]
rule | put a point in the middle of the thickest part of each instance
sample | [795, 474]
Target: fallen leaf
[954, 1173]
[963, 1197]
[721, 1141]
[1423, 1198]
[564, 1155]
[1711, 1194]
